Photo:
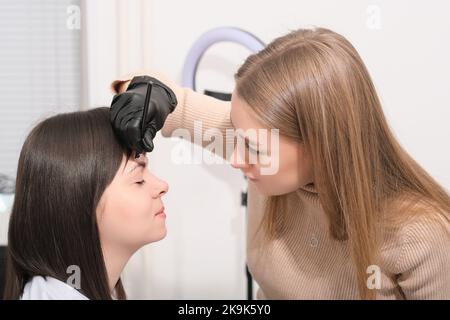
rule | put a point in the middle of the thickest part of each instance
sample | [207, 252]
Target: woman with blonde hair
[349, 214]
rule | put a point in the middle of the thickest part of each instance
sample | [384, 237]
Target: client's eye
[140, 182]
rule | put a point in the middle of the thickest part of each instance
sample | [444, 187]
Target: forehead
[241, 114]
[132, 162]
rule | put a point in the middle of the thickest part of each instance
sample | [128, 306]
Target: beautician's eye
[140, 182]
[251, 149]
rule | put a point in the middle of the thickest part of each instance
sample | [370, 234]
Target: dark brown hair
[65, 165]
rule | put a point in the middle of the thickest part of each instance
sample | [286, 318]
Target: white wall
[405, 45]
[40, 76]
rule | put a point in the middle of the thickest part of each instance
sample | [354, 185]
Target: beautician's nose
[160, 187]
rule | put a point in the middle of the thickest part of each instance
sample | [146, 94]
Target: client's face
[131, 212]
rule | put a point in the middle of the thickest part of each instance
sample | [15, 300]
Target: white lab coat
[48, 288]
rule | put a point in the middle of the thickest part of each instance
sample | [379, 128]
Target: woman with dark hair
[84, 204]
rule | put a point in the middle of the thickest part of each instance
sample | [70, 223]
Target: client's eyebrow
[142, 165]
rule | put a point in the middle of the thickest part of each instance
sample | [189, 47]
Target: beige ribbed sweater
[306, 262]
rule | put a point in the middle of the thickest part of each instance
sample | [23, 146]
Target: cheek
[128, 218]
[131, 203]
[283, 182]
[293, 172]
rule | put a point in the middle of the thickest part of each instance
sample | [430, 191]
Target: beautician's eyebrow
[251, 143]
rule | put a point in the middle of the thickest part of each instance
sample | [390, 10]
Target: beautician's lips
[250, 178]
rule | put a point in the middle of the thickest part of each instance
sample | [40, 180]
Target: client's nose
[160, 187]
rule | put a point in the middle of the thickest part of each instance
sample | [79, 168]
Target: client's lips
[160, 212]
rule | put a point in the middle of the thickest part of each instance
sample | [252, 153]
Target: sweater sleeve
[424, 263]
[204, 119]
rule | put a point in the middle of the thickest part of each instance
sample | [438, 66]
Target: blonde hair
[313, 86]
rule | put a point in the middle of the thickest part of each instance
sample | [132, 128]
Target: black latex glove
[139, 112]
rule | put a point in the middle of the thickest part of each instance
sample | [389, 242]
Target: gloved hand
[139, 112]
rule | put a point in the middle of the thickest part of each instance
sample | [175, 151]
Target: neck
[116, 258]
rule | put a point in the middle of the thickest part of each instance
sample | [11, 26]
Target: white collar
[48, 288]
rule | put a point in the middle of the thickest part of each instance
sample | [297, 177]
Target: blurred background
[61, 55]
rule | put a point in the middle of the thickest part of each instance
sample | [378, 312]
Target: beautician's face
[128, 213]
[294, 163]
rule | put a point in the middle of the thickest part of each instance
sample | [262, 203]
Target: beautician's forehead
[236, 106]
[240, 114]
